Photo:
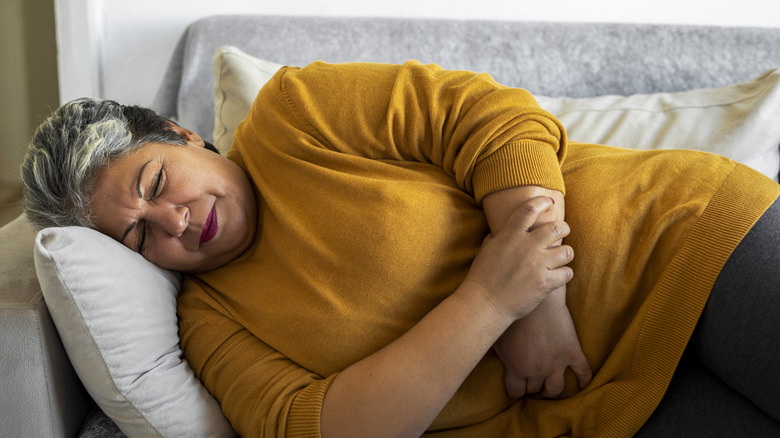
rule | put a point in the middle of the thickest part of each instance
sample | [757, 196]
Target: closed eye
[154, 191]
[157, 185]
[142, 239]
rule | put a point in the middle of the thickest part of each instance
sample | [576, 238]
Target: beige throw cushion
[739, 121]
[238, 79]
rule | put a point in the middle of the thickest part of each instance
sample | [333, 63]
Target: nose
[173, 219]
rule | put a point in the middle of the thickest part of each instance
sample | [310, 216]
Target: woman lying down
[380, 254]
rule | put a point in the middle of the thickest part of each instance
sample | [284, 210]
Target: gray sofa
[42, 396]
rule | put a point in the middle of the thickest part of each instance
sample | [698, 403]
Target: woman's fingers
[559, 256]
[526, 216]
[551, 233]
[553, 385]
[515, 386]
[534, 385]
[520, 264]
[582, 370]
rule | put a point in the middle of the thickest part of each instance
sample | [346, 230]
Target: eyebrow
[140, 195]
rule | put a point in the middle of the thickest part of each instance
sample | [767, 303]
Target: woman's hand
[537, 349]
[517, 267]
[413, 377]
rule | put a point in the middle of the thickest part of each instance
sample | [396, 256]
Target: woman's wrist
[484, 304]
[436, 355]
[498, 206]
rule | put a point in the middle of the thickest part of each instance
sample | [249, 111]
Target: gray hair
[69, 149]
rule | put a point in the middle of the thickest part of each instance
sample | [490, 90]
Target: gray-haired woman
[75, 163]
[363, 219]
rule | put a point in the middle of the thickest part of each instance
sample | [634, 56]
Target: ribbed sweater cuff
[304, 417]
[525, 163]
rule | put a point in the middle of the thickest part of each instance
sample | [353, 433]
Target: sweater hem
[682, 293]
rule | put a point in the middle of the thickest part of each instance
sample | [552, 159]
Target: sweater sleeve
[485, 135]
[257, 386]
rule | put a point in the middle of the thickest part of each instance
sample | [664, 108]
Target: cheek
[167, 253]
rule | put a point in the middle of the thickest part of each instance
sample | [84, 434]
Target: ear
[189, 136]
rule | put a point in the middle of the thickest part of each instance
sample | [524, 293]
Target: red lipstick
[210, 227]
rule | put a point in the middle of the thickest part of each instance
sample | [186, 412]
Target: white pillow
[116, 315]
[236, 74]
[740, 121]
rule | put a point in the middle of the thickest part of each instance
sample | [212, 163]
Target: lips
[210, 227]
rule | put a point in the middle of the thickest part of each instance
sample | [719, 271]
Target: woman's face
[182, 207]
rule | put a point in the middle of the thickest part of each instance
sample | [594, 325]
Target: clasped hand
[518, 267]
[537, 350]
[523, 268]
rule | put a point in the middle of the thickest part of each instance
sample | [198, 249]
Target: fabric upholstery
[41, 394]
[736, 120]
[116, 314]
[237, 74]
[553, 59]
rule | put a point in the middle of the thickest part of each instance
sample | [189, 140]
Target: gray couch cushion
[41, 394]
[553, 59]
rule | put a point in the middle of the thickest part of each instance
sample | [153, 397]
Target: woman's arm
[400, 389]
[537, 349]
[484, 135]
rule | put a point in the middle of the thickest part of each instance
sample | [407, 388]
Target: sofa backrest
[41, 394]
[553, 59]
[17, 269]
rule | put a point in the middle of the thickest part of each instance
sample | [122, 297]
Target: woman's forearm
[539, 348]
[500, 205]
[399, 390]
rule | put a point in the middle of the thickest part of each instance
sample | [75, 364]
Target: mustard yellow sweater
[369, 179]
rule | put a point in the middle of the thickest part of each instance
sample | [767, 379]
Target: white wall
[121, 48]
[28, 78]
[13, 116]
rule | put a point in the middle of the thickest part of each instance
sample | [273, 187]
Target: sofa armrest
[42, 395]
